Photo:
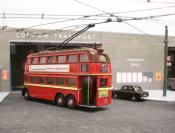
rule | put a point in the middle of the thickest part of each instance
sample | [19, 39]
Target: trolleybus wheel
[60, 100]
[71, 102]
[26, 95]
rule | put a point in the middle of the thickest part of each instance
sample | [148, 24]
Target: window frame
[59, 83]
[36, 80]
[36, 60]
[45, 60]
[58, 57]
[106, 82]
[39, 80]
[53, 59]
[47, 80]
[84, 55]
[76, 59]
[68, 85]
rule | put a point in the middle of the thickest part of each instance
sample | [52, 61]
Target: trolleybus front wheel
[26, 94]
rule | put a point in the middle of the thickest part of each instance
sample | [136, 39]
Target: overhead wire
[121, 20]
[4, 15]
[150, 36]
[73, 27]
[85, 16]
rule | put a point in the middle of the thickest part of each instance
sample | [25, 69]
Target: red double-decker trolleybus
[70, 77]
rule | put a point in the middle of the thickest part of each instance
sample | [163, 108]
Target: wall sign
[5, 75]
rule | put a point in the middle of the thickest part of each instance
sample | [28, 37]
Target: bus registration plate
[103, 93]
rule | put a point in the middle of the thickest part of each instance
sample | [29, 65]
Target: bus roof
[60, 51]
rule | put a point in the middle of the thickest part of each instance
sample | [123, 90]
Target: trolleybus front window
[103, 82]
[102, 58]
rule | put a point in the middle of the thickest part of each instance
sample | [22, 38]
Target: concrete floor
[122, 116]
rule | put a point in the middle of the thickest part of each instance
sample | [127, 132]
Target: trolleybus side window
[60, 81]
[34, 60]
[51, 59]
[42, 60]
[50, 80]
[26, 78]
[83, 58]
[103, 82]
[61, 59]
[41, 80]
[33, 79]
[72, 58]
[70, 82]
[29, 61]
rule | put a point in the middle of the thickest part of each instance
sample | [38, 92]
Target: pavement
[154, 95]
[3, 95]
[157, 95]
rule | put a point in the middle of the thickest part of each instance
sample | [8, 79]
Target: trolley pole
[165, 61]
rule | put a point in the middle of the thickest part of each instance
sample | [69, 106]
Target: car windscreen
[137, 88]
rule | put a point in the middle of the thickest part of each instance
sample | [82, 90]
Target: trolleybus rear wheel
[60, 100]
[71, 102]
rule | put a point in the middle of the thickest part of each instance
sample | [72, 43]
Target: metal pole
[165, 61]
[88, 92]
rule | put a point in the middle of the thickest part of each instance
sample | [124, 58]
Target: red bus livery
[71, 77]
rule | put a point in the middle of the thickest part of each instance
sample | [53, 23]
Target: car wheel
[133, 98]
[139, 98]
[60, 100]
[115, 96]
[26, 95]
[71, 102]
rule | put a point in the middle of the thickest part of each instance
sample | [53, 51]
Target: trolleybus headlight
[84, 67]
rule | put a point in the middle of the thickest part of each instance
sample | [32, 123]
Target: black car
[133, 92]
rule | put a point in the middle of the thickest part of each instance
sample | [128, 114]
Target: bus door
[89, 90]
